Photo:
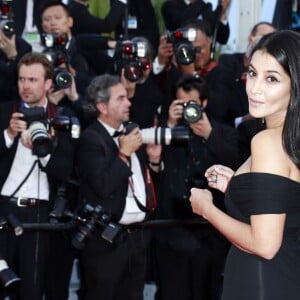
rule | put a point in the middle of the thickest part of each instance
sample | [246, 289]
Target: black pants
[115, 271]
[26, 254]
[60, 266]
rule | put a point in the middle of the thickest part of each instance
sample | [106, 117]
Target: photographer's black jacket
[177, 12]
[8, 70]
[103, 174]
[184, 168]
[19, 8]
[219, 80]
[60, 165]
[85, 22]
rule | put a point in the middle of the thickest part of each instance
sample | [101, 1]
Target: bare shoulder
[267, 153]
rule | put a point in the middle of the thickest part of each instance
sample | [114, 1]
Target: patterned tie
[205, 70]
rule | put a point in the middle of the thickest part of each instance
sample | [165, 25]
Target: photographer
[191, 258]
[32, 164]
[135, 57]
[113, 172]
[177, 12]
[181, 52]
[12, 48]
[56, 20]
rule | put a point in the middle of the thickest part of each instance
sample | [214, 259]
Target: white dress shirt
[132, 213]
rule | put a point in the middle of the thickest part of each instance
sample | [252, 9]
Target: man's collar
[28, 106]
[110, 129]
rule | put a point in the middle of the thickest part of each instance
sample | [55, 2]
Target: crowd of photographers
[102, 139]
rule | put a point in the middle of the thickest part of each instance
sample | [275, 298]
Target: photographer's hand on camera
[129, 143]
[187, 69]
[56, 95]
[16, 125]
[175, 112]
[165, 51]
[202, 127]
[8, 46]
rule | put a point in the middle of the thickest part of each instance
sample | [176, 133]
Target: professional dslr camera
[7, 25]
[182, 39]
[91, 217]
[39, 126]
[56, 52]
[192, 112]
[128, 55]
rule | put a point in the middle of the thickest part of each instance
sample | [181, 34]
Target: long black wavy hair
[284, 46]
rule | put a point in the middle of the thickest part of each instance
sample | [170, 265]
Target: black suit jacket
[147, 25]
[8, 71]
[176, 13]
[60, 165]
[79, 63]
[184, 169]
[85, 22]
[236, 69]
[19, 10]
[104, 176]
[220, 92]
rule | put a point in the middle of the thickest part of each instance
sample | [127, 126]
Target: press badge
[132, 22]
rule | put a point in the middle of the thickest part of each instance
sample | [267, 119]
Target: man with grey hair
[113, 172]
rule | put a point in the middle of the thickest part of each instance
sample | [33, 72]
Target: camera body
[39, 126]
[56, 52]
[92, 216]
[128, 56]
[7, 25]
[182, 39]
[192, 111]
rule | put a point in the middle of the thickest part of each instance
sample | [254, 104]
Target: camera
[7, 25]
[177, 136]
[56, 52]
[7, 275]
[182, 39]
[128, 55]
[92, 217]
[192, 112]
[39, 125]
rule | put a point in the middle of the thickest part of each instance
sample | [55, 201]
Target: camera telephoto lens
[41, 143]
[177, 136]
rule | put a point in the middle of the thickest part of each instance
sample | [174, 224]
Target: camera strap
[24, 180]
[151, 200]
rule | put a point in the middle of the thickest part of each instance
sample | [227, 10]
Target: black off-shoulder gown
[250, 277]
